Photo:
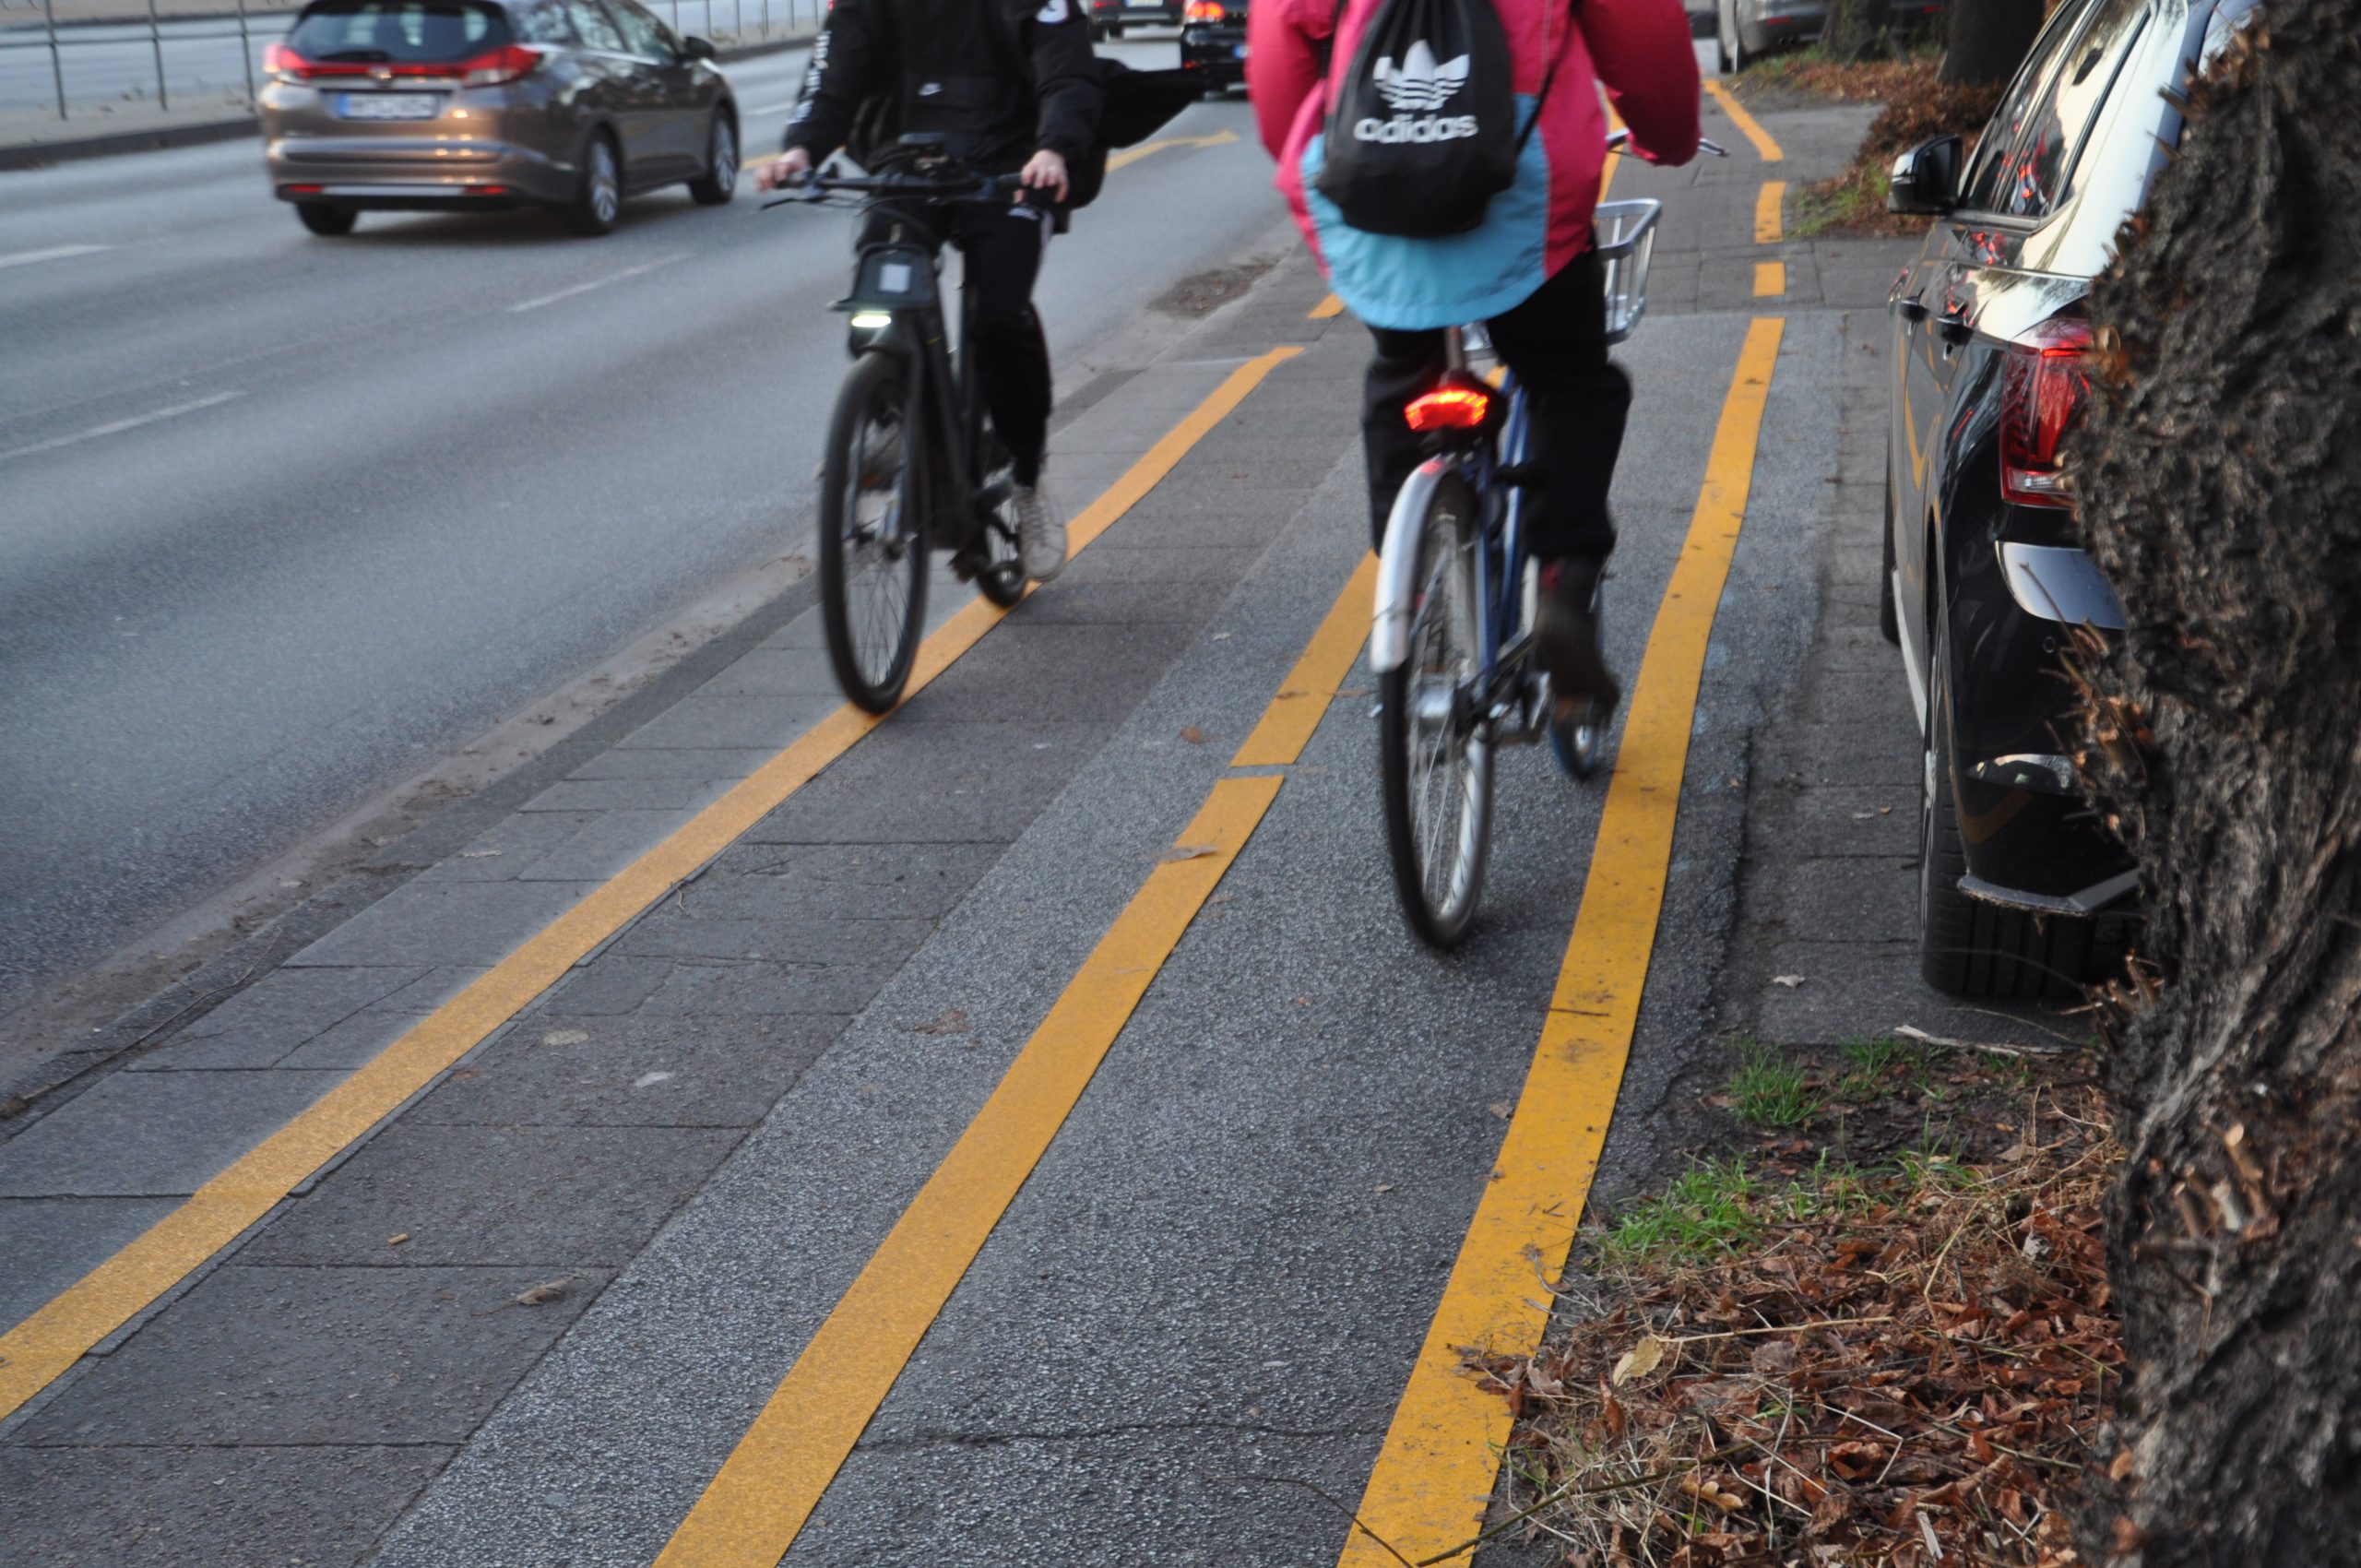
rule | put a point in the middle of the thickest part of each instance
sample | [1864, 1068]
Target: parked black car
[1213, 43]
[1110, 17]
[2022, 890]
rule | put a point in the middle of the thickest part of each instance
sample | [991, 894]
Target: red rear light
[2043, 393]
[301, 190]
[510, 61]
[1453, 407]
[1203, 11]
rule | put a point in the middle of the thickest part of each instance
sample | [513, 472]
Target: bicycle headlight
[871, 321]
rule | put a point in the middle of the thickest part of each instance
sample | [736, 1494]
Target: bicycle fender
[1397, 568]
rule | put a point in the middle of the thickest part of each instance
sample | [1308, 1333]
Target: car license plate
[391, 105]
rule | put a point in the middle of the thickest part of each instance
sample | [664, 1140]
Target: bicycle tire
[878, 385]
[1440, 910]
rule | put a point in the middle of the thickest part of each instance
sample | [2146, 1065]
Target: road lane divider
[117, 427]
[1434, 1476]
[757, 1503]
[54, 253]
[42, 1346]
[1770, 221]
[1747, 125]
[1770, 279]
[1327, 309]
[627, 272]
[1131, 155]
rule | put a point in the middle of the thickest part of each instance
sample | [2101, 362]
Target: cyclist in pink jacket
[1528, 270]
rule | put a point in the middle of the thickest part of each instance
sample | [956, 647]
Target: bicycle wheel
[872, 536]
[1438, 762]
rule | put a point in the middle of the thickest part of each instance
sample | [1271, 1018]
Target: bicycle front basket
[1625, 234]
[893, 278]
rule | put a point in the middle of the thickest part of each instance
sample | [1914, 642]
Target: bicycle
[1451, 643]
[909, 467]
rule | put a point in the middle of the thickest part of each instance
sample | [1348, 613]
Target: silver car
[473, 105]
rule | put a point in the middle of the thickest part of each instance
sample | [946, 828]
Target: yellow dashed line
[1770, 279]
[1328, 309]
[1747, 125]
[1435, 1474]
[1770, 224]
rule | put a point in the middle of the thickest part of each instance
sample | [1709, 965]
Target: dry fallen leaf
[1189, 853]
[2120, 1466]
[1639, 1360]
[564, 1037]
[952, 1022]
[540, 1295]
[479, 854]
[649, 1079]
[1500, 1108]
[1382, 1187]
[1790, 981]
[1193, 735]
[398, 1240]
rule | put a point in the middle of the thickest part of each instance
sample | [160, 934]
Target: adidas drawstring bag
[1423, 129]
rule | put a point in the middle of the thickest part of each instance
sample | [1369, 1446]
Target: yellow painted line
[1131, 155]
[1287, 725]
[757, 1503]
[1435, 1474]
[44, 1346]
[1328, 309]
[1770, 222]
[1770, 279]
[1748, 126]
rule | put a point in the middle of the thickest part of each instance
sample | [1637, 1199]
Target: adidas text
[1402, 127]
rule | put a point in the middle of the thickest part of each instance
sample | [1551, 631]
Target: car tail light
[510, 61]
[2043, 392]
[1203, 11]
[1453, 407]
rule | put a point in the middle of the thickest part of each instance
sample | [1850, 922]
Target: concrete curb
[40, 155]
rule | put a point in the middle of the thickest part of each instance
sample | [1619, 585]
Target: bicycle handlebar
[1619, 141]
[819, 184]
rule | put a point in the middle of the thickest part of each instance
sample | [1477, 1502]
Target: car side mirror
[696, 49]
[1925, 179]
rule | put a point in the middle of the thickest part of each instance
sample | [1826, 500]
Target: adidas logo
[1422, 84]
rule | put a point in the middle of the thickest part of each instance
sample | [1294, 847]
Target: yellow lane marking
[1287, 725]
[1770, 279]
[1770, 223]
[1328, 309]
[757, 1503]
[1131, 155]
[37, 1350]
[1427, 1495]
[1747, 125]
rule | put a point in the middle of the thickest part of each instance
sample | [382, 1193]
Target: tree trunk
[1854, 29]
[1987, 40]
[2220, 475]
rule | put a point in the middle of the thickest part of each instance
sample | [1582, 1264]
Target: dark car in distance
[475, 105]
[1110, 17]
[1213, 41]
[2022, 892]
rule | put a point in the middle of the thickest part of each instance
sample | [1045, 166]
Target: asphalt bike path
[1207, 1296]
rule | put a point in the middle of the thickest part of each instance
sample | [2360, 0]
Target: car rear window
[392, 31]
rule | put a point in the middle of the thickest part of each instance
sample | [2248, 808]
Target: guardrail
[138, 61]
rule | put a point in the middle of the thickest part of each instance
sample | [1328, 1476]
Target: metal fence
[221, 56]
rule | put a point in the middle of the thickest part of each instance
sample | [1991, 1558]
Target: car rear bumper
[411, 171]
[1213, 52]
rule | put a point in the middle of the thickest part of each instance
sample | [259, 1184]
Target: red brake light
[2043, 393]
[1203, 11]
[1450, 408]
[509, 63]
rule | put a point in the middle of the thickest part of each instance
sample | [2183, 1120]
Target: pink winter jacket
[1641, 49]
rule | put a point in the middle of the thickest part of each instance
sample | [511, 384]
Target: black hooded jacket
[1002, 77]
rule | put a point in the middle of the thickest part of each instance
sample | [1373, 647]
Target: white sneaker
[1040, 532]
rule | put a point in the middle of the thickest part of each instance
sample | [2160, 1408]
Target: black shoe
[1566, 634]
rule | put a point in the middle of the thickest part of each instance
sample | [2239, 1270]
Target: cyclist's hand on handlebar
[1046, 170]
[790, 168]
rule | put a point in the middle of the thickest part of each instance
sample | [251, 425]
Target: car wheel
[720, 181]
[322, 219]
[1114, 30]
[1967, 947]
[598, 195]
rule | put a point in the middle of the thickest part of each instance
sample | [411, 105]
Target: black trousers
[1002, 247]
[1556, 341]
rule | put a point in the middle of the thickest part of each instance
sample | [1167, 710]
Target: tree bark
[2220, 477]
[1986, 41]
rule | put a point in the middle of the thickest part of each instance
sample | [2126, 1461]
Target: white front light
[872, 320]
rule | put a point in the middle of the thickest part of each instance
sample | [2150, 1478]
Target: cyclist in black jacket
[1014, 86]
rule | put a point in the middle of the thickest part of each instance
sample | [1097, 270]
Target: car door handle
[1911, 308]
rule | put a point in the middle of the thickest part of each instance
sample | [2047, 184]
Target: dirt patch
[1918, 109]
[1837, 1342]
[1201, 293]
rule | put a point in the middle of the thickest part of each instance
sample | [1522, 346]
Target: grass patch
[1872, 1058]
[1768, 1090]
[1706, 1212]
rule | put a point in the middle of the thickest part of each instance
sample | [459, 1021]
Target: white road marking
[54, 253]
[117, 427]
[596, 283]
